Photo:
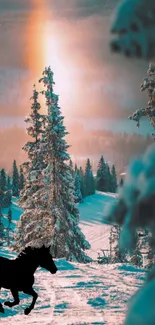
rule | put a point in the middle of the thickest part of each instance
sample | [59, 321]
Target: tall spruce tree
[7, 199]
[71, 167]
[76, 168]
[5, 193]
[55, 217]
[2, 186]
[35, 226]
[82, 185]
[103, 178]
[113, 179]
[35, 221]
[8, 183]
[109, 183]
[15, 180]
[100, 177]
[78, 195]
[89, 180]
[67, 240]
[3, 180]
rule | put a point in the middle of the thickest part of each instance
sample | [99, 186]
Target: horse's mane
[27, 251]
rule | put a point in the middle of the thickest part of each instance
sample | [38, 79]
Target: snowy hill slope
[80, 294]
[91, 221]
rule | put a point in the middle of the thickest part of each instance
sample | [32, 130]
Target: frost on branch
[148, 85]
[134, 26]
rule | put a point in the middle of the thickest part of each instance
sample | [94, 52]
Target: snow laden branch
[135, 209]
[148, 85]
[134, 26]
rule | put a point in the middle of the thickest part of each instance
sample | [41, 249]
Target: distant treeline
[86, 183]
[118, 148]
[10, 186]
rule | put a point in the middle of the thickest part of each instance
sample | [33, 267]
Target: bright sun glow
[54, 58]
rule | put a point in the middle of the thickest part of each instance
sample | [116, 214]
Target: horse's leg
[31, 292]
[16, 299]
[1, 307]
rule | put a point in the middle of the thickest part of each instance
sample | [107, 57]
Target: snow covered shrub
[103, 259]
[135, 26]
[116, 256]
[135, 209]
[137, 258]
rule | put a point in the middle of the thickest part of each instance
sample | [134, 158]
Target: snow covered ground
[80, 294]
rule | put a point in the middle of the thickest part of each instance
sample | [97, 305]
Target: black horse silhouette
[18, 274]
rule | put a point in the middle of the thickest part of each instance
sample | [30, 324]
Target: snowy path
[80, 294]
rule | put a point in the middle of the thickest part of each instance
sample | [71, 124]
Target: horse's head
[46, 260]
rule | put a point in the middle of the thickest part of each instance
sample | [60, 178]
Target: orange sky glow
[45, 48]
[93, 85]
[34, 33]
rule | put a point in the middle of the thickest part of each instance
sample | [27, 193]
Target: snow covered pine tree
[101, 177]
[35, 225]
[77, 184]
[15, 180]
[113, 179]
[82, 183]
[89, 180]
[67, 239]
[51, 216]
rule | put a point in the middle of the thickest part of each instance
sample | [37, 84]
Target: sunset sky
[72, 37]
